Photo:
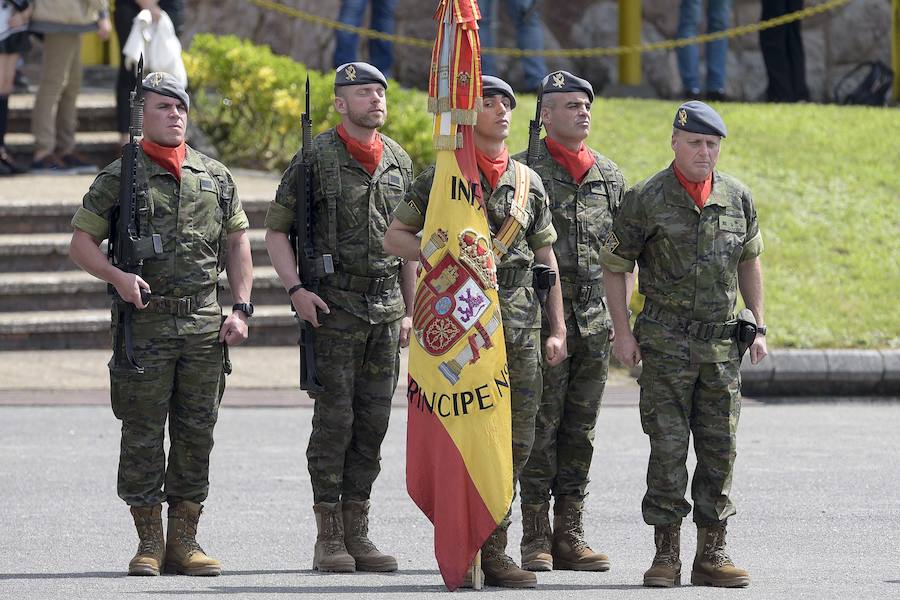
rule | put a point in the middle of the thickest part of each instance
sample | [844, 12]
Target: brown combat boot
[536, 537]
[183, 554]
[357, 542]
[666, 568]
[570, 551]
[712, 566]
[499, 569]
[149, 557]
[330, 553]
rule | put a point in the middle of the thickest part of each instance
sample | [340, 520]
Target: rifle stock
[128, 246]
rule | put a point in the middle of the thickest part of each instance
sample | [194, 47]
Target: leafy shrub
[248, 101]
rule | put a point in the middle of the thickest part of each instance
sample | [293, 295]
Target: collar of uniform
[346, 160]
[676, 195]
[193, 162]
[559, 171]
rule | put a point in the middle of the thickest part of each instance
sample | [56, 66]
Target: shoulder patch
[612, 242]
[207, 185]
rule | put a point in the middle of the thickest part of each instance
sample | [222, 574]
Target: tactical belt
[509, 278]
[583, 292]
[180, 306]
[372, 286]
[697, 329]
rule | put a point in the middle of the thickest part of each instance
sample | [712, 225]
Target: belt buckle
[184, 306]
[376, 286]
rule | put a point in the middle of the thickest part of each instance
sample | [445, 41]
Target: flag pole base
[477, 573]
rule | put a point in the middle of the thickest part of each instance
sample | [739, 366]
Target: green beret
[358, 73]
[698, 117]
[563, 81]
[494, 86]
[165, 84]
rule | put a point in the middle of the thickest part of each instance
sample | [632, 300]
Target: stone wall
[834, 42]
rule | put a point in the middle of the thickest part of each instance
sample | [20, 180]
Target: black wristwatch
[761, 330]
[244, 307]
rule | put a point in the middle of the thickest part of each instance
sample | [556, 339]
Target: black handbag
[872, 85]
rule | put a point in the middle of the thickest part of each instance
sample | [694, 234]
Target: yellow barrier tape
[567, 53]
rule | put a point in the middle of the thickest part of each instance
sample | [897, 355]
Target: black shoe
[72, 163]
[8, 166]
[716, 96]
[20, 83]
[692, 94]
[47, 166]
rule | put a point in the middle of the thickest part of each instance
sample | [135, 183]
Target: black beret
[358, 73]
[563, 81]
[165, 84]
[494, 86]
[698, 117]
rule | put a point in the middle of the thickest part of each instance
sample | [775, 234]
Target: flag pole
[477, 573]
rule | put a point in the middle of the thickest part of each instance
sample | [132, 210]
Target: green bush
[249, 100]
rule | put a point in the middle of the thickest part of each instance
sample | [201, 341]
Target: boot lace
[150, 536]
[575, 532]
[187, 537]
[714, 548]
[667, 550]
[331, 528]
[360, 530]
[539, 524]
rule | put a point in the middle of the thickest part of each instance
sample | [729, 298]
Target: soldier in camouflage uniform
[518, 302]
[178, 336]
[693, 232]
[361, 316]
[585, 190]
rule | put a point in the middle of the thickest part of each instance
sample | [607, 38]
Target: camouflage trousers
[183, 380]
[679, 398]
[564, 429]
[523, 357]
[358, 364]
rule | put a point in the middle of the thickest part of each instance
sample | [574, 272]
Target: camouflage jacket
[582, 216]
[688, 257]
[192, 217]
[362, 212]
[519, 305]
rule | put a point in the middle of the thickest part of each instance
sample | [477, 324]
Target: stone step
[50, 251]
[50, 215]
[96, 111]
[97, 147]
[73, 290]
[272, 325]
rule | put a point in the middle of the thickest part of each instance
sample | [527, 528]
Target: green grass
[826, 184]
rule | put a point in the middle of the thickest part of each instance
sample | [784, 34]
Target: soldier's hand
[306, 304]
[405, 328]
[129, 288]
[758, 349]
[612, 334]
[555, 350]
[626, 350]
[234, 329]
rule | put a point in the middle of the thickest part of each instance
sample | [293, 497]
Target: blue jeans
[381, 53]
[718, 17]
[529, 36]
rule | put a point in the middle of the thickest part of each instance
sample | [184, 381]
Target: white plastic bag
[158, 43]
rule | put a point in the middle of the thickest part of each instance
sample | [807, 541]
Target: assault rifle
[128, 246]
[305, 250]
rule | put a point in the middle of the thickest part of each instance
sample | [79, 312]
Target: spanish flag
[459, 439]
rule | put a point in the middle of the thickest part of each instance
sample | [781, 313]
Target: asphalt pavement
[815, 486]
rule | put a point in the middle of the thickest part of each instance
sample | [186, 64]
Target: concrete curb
[823, 373]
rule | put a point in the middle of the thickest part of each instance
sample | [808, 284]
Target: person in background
[782, 50]
[13, 15]
[54, 118]
[123, 16]
[381, 52]
[529, 36]
[718, 17]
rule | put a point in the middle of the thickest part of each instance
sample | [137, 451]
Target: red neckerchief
[368, 155]
[492, 168]
[167, 157]
[699, 192]
[577, 163]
